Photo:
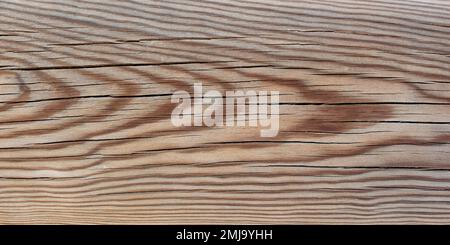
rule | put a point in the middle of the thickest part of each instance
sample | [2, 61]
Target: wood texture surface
[85, 132]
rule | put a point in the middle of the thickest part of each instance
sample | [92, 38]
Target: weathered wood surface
[85, 112]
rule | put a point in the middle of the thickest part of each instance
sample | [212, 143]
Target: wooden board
[86, 137]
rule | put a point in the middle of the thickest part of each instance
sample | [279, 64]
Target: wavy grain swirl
[85, 132]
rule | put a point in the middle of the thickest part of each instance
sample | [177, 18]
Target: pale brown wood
[85, 111]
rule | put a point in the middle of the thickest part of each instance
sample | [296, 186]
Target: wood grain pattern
[85, 132]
